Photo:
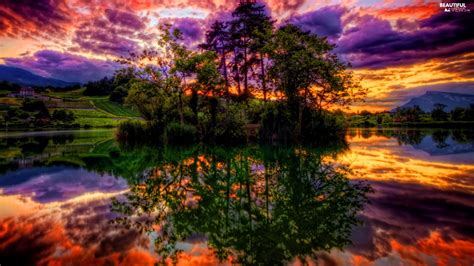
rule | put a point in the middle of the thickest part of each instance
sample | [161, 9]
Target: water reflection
[247, 205]
[253, 206]
[433, 141]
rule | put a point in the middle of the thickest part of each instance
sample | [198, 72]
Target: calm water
[388, 197]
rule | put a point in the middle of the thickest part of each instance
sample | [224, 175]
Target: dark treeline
[116, 87]
[249, 79]
[9, 87]
[415, 136]
[34, 113]
[415, 116]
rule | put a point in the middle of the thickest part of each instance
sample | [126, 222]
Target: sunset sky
[399, 48]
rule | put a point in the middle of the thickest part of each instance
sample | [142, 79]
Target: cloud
[76, 233]
[29, 18]
[409, 213]
[374, 43]
[325, 21]
[64, 66]
[192, 28]
[115, 32]
[56, 185]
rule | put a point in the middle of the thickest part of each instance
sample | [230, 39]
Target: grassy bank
[89, 111]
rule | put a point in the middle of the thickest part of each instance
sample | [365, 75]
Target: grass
[69, 104]
[95, 113]
[96, 118]
[74, 94]
[4, 93]
[115, 108]
[10, 101]
[98, 122]
[105, 147]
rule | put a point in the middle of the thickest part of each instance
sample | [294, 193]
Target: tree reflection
[440, 137]
[257, 206]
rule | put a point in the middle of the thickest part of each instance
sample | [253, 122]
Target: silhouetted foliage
[101, 87]
[245, 60]
[438, 113]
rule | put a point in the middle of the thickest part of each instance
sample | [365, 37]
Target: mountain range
[452, 100]
[26, 78]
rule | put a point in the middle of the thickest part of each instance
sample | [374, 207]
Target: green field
[115, 108]
[10, 101]
[75, 94]
[90, 111]
[97, 118]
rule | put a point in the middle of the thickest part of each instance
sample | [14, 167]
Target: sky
[398, 48]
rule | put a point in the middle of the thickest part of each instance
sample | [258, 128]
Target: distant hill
[26, 78]
[452, 100]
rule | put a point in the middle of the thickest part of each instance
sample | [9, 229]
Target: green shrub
[322, 127]
[63, 116]
[230, 127]
[276, 124]
[131, 130]
[181, 134]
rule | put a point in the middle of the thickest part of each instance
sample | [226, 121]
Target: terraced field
[115, 108]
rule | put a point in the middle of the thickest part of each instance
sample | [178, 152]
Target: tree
[218, 40]
[469, 116]
[63, 116]
[458, 114]
[36, 106]
[8, 86]
[244, 40]
[99, 88]
[438, 113]
[304, 68]
[249, 27]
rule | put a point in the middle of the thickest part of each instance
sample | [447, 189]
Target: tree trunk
[264, 84]
[299, 126]
[246, 85]
[237, 72]
[226, 78]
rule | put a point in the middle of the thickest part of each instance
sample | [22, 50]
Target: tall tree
[306, 71]
[218, 40]
[249, 25]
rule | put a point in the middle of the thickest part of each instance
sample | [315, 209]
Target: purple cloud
[64, 66]
[374, 43]
[325, 21]
[115, 33]
[56, 183]
[125, 19]
[192, 28]
[430, 210]
[33, 17]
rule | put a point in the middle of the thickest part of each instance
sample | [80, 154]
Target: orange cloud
[442, 251]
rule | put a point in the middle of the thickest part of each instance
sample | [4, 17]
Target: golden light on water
[383, 159]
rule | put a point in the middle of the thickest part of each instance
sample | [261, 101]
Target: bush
[230, 127]
[35, 106]
[276, 124]
[181, 134]
[131, 131]
[64, 116]
[322, 127]
[316, 128]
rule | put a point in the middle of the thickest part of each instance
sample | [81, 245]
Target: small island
[248, 81]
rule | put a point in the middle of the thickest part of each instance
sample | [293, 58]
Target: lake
[386, 197]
